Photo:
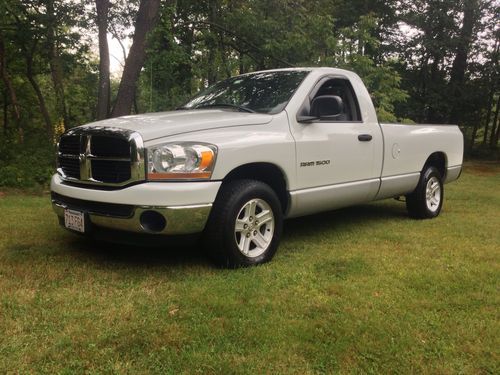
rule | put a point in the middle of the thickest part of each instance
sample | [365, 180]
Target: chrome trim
[68, 156]
[93, 157]
[137, 155]
[180, 219]
[329, 197]
[85, 163]
[397, 185]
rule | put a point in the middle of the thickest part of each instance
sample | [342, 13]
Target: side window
[343, 89]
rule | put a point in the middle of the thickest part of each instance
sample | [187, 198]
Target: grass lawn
[364, 289]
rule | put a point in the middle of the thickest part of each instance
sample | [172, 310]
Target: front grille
[100, 208]
[70, 167]
[110, 171]
[101, 156]
[70, 145]
[110, 147]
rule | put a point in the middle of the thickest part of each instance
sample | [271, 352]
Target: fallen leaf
[173, 312]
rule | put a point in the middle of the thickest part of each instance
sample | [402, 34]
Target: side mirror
[324, 107]
[327, 106]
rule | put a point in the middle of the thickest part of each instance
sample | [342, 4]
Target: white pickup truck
[245, 154]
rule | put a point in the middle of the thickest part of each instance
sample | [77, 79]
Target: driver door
[336, 159]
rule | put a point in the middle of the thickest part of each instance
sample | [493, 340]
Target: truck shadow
[149, 253]
[190, 252]
[342, 219]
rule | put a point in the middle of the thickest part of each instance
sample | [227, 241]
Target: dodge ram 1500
[243, 155]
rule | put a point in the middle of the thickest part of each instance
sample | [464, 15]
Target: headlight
[183, 160]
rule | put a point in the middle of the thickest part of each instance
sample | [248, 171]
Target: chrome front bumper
[184, 207]
[179, 219]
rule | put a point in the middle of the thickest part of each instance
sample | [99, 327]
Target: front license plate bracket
[74, 220]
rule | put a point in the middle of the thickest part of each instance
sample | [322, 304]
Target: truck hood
[164, 124]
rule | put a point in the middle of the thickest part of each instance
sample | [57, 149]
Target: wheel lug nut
[245, 226]
[256, 222]
[250, 218]
[254, 232]
[248, 235]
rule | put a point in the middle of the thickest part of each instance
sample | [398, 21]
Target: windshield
[264, 92]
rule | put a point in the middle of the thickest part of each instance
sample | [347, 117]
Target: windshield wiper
[238, 107]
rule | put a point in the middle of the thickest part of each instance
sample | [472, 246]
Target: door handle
[365, 137]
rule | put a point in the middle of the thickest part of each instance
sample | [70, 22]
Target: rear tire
[245, 225]
[426, 201]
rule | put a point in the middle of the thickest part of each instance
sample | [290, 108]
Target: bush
[482, 152]
[26, 165]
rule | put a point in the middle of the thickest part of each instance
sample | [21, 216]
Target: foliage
[409, 53]
[29, 165]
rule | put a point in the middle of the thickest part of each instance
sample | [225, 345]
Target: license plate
[74, 220]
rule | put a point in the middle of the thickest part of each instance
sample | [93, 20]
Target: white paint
[356, 172]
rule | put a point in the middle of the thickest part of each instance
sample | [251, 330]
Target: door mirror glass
[327, 107]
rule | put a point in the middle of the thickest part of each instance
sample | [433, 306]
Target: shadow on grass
[153, 250]
[139, 251]
[343, 219]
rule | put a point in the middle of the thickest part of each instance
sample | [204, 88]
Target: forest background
[424, 61]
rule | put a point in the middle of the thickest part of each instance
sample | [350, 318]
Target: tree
[146, 19]
[471, 16]
[55, 63]
[28, 39]
[104, 89]
[422, 60]
[10, 89]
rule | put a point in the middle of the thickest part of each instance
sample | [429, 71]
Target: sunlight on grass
[364, 289]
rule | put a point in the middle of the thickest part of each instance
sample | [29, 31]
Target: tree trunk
[5, 112]
[422, 89]
[41, 100]
[187, 40]
[473, 137]
[241, 64]
[223, 55]
[56, 70]
[10, 90]
[493, 88]
[104, 90]
[459, 66]
[212, 43]
[488, 113]
[136, 106]
[431, 110]
[146, 19]
[495, 130]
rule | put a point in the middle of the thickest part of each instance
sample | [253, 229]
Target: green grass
[364, 289]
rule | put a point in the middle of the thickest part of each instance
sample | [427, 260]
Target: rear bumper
[453, 173]
[179, 208]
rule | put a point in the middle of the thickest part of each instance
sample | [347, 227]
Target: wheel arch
[268, 173]
[438, 160]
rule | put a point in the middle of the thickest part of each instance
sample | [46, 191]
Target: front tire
[426, 201]
[245, 225]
